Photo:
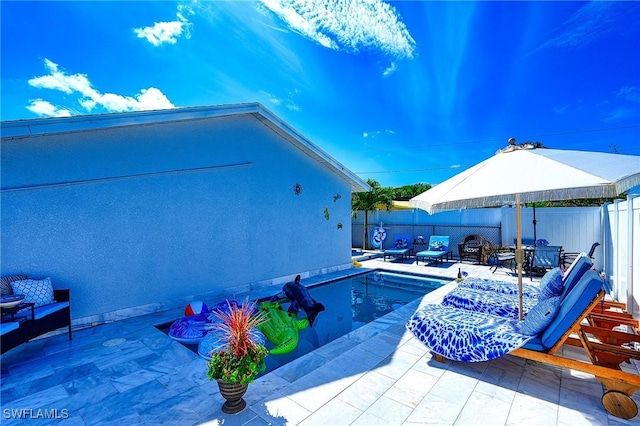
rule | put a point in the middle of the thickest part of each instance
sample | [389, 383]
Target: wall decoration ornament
[297, 189]
[336, 197]
[326, 213]
[339, 225]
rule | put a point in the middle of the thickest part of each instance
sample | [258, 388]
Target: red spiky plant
[241, 358]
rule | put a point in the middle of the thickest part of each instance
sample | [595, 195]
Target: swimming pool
[350, 303]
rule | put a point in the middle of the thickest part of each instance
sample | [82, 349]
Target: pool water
[349, 304]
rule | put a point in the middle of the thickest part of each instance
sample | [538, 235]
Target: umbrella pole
[519, 255]
[535, 222]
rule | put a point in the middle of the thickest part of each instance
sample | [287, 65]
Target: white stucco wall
[144, 215]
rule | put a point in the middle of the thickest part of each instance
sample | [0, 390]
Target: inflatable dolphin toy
[300, 298]
[281, 328]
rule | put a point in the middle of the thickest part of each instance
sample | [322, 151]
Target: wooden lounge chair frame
[619, 385]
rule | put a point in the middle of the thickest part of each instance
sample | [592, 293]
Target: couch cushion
[551, 284]
[8, 326]
[402, 243]
[45, 310]
[575, 272]
[5, 283]
[572, 307]
[39, 292]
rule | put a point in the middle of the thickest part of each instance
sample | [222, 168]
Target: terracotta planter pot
[233, 393]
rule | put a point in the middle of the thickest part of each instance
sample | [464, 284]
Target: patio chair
[544, 258]
[472, 248]
[500, 258]
[438, 249]
[401, 247]
[463, 335]
[567, 257]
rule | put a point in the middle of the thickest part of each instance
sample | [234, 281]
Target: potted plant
[240, 359]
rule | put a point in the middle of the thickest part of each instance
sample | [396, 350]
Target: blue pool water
[353, 302]
[349, 304]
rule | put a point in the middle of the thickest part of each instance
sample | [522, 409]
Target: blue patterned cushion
[462, 335]
[402, 244]
[489, 302]
[528, 290]
[39, 292]
[437, 246]
[540, 316]
[551, 284]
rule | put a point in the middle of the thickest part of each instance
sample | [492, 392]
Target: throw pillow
[540, 316]
[551, 284]
[39, 292]
[402, 244]
[5, 283]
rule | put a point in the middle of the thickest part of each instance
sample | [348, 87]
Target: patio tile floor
[376, 375]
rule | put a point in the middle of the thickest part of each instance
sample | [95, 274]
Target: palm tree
[409, 191]
[369, 201]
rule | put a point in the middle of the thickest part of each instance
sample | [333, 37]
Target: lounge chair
[401, 247]
[438, 249]
[464, 335]
[500, 258]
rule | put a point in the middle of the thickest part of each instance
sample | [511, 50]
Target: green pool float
[281, 327]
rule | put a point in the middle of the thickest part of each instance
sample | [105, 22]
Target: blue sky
[401, 92]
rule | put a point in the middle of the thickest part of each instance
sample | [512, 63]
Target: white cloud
[390, 70]
[629, 93]
[594, 20]
[350, 25]
[167, 32]
[148, 99]
[47, 109]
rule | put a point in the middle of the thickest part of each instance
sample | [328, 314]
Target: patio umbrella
[525, 174]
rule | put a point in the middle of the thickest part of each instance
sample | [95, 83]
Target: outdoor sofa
[51, 311]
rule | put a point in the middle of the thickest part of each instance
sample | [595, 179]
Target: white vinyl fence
[573, 228]
[622, 251]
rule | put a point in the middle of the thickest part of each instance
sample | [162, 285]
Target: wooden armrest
[611, 304]
[610, 321]
[611, 314]
[612, 337]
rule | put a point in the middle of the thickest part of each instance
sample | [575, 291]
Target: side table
[418, 247]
